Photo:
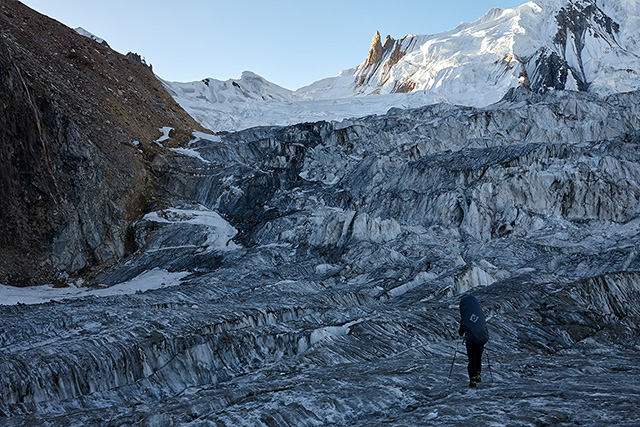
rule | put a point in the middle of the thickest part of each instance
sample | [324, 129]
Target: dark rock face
[580, 18]
[78, 122]
[337, 301]
[576, 23]
[547, 71]
[138, 58]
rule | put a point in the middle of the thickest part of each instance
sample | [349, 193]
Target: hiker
[474, 328]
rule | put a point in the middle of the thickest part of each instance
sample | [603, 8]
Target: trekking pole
[489, 365]
[453, 361]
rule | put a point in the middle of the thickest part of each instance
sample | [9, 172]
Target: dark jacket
[472, 322]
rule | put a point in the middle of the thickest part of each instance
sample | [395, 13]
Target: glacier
[316, 270]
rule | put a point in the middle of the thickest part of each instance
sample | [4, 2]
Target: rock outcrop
[391, 52]
[375, 52]
[582, 29]
[77, 126]
[138, 58]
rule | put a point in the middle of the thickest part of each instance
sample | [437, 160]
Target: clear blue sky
[289, 42]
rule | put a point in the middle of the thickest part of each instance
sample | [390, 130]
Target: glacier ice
[320, 266]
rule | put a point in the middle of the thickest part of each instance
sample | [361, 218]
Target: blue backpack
[473, 323]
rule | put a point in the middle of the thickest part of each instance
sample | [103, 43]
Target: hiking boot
[477, 378]
[472, 382]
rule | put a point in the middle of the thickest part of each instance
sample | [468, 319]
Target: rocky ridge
[78, 124]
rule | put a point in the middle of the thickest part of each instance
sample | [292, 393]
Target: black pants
[474, 353]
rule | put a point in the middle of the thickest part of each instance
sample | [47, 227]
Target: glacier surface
[320, 267]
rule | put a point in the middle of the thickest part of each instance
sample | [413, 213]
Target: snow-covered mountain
[585, 45]
[543, 44]
[251, 100]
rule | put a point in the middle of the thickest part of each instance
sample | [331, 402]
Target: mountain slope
[77, 128]
[583, 45]
[545, 44]
[230, 104]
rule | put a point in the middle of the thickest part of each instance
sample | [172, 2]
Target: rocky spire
[375, 52]
[388, 42]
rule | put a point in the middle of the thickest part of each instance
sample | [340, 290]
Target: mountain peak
[375, 52]
[249, 75]
[388, 42]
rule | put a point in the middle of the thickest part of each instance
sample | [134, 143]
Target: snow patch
[149, 280]
[86, 33]
[329, 332]
[205, 136]
[165, 134]
[190, 152]
[220, 232]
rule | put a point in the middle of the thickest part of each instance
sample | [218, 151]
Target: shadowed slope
[77, 125]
